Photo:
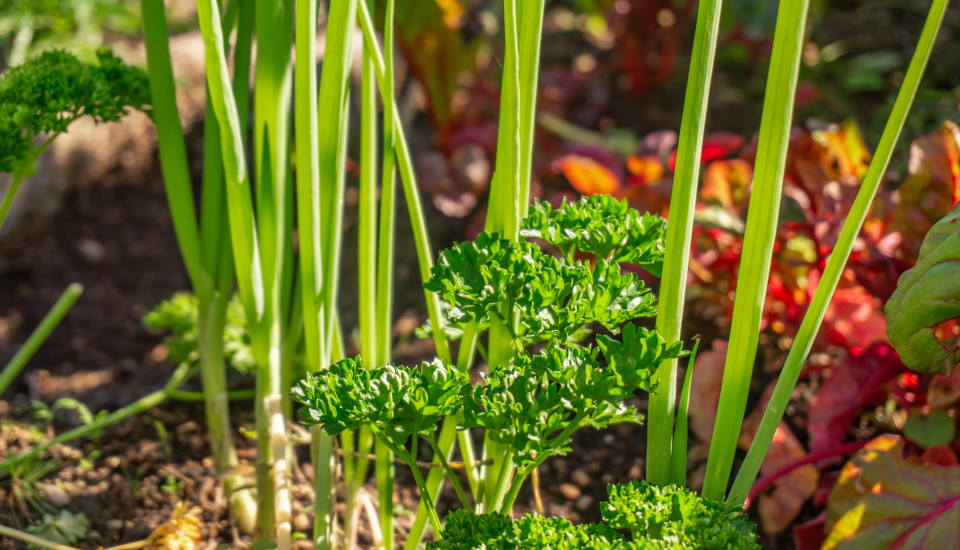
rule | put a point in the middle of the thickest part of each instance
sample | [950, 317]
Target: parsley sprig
[557, 380]
[655, 517]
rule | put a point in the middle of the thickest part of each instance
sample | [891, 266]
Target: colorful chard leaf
[930, 430]
[661, 518]
[553, 298]
[883, 500]
[47, 93]
[536, 403]
[587, 175]
[602, 226]
[858, 380]
[397, 402]
[926, 296]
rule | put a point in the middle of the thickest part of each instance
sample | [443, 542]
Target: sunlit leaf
[883, 500]
[587, 175]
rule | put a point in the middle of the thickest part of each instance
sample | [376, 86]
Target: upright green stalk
[838, 258]
[530, 30]
[207, 253]
[332, 115]
[173, 152]
[763, 213]
[385, 259]
[683, 199]
[247, 259]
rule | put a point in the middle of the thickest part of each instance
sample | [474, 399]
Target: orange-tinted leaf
[644, 169]
[845, 147]
[728, 182]
[588, 176]
[928, 192]
[883, 500]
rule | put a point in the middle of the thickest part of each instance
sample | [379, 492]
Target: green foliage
[47, 93]
[926, 295]
[65, 528]
[600, 225]
[667, 517]
[673, 513]
[536, 403]
[554, 299]
[31, 26]
[395, 401]
[179, 317]
[532, 400]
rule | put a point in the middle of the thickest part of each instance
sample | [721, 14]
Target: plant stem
[678, 462]
[683, 199]
[530, 31]
[145, 403]
[196, 396]
[425, 496]
[454, 480]
[170, 143]
[39, 335]
[503, 214]
[762, 217]
[385, 260]
[15, 183]
[421, 235]
[812, 319]
[506, 506]
[33, 539]
[448, 432]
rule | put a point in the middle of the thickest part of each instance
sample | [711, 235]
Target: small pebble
[115, 524]
[55, 495]
[301, 522]
[569, 491]
[91, 250]
[580, 477]
[584, 503]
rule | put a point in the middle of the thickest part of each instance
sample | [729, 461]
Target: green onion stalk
[790, 372]
[683, 198]
[759, 237]
[205, 248]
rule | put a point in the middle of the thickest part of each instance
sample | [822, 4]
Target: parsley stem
[411, 461]
[454, 480]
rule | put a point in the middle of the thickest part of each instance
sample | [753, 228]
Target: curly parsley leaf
[656, 518]
[396, 401]
[600, 225]
[50, 91]
[672, 513]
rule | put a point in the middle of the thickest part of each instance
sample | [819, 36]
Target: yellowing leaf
[588, 176]
[183, 531]
[883, 500]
